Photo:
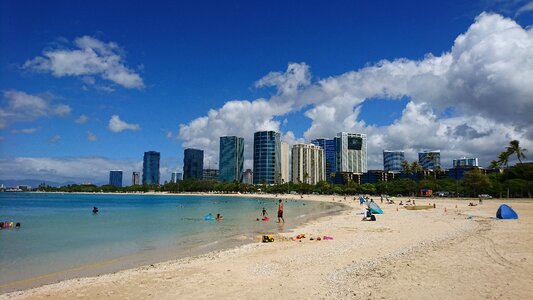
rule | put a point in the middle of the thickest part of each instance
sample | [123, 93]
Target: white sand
[459, 254]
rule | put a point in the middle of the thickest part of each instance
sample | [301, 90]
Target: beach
[451, 251]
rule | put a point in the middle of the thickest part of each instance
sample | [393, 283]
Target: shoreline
[358, 248]
[139, 260]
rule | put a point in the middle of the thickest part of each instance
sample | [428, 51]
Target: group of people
[7, 225]
[264, 213]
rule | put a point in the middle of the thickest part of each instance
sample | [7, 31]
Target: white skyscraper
[284, 153]
[351, 152]
[308, 164]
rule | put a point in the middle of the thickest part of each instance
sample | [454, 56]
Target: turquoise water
[61, 237]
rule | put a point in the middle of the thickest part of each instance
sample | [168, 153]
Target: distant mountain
[32, 182]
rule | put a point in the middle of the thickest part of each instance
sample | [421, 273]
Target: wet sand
[442, 253]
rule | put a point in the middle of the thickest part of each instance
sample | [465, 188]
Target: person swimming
[95, 210]
[219, 217]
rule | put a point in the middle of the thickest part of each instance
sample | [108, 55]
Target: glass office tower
[115, 178]
[151, 167]
[351, 153]
[329, 147]
[267, 162]
[392, 160]
[231, 159]
[424, 159]
[193, 164]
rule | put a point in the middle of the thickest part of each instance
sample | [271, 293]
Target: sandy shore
[442, 253]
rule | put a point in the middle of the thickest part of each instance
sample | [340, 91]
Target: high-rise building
[115, 178]
[424, 159]
[329, 147]
[151, 167]
[308, 165]
[231, 158]
[193, 164]
[210, 174]
[392, 160]
[465, 162]
[135, 178]
[284, 158]
[248, 176]
[267, 162]
[351, 152]
[175, 177]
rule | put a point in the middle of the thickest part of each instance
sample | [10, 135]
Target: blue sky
[167, 63]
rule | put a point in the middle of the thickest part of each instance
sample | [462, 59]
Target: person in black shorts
[280, 211]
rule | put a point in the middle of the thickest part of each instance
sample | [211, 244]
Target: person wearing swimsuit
[280, 211]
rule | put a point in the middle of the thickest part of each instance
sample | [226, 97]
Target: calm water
[61, 238]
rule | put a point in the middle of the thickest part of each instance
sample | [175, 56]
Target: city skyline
[68, 117]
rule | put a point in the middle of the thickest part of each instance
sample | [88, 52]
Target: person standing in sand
[280, 211]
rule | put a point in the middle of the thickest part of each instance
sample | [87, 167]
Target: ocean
[61, 238]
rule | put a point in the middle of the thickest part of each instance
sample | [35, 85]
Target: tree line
[516, 181]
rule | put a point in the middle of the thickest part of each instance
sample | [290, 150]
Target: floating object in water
[209, 217]
[265, 219]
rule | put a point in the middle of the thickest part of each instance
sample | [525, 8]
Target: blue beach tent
[506, 212]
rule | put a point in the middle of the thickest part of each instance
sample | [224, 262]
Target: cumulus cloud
[82, 119]
[91, 137]
[528, 7]
[117, 125]
[20, 106]
[25, 131]
[55, 139]
[90, 57]
[76, 169]
[486, 77]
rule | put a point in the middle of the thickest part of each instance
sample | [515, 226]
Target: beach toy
[328, 238]
[209, 217]
[269, 238]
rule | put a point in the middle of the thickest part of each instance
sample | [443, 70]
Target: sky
[89, 86]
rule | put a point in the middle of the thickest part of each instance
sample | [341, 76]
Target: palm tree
[406, 167]
[503, 159]
[514, 148]
[431, 156]
[416, 167]
[494, 164]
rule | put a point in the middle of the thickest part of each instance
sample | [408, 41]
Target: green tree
[406, 167]
[494, 164]
[477, 182]
[514, 148]
[503, 159]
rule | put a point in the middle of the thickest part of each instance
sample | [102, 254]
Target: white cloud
[486, 77]
[25, 131]
[91, 137]
[90, 58]
[117, 125]
[20, 106]
[55, 139]
[524, 9]
[76, 169]
[82, 119]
